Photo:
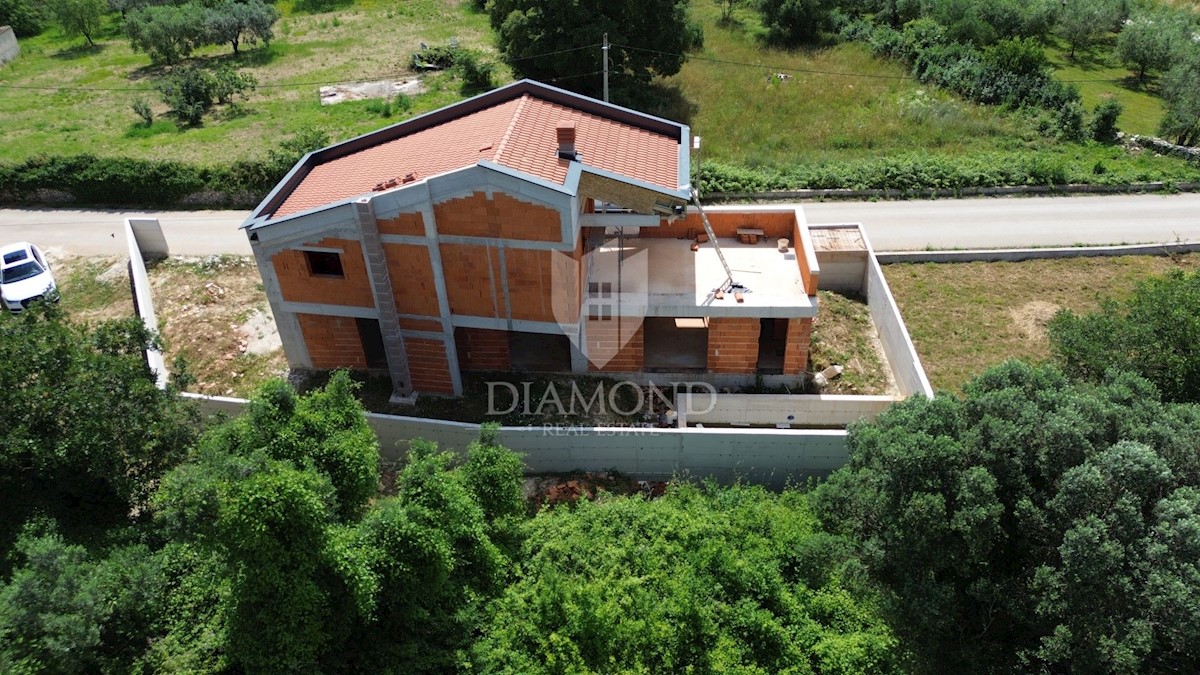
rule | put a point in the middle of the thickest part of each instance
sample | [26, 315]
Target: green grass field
[840, 104]
[370, 41]
[966, 317]
[746, 116]
[1099, 75]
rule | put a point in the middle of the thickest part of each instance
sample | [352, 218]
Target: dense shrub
[1155, 333]
[191, 92]
[26, 17]
[1011, 73]
[1103, 126]
[791, 23]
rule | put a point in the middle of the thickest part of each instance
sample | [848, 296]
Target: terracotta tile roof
[519, 133]
[603, 143]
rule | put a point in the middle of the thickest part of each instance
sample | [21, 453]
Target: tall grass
[749, 116]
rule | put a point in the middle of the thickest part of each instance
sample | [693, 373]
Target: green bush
[915, 173]
[1155, 333]
[314, 6]
[1011, 73]
[191, 92]
[26, 17]
[1103, 126]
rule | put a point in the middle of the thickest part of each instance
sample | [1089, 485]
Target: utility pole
[605, 50]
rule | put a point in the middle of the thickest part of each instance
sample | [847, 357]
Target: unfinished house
[528, 229]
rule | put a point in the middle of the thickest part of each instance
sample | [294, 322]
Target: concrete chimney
[566, 139]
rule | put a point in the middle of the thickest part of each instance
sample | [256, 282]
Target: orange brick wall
[808, 276]
[603, 338]
[531, 283]
[482, 349]
[404, 223]
[502, 216]
[332, 341]
[469, 280]
[725, 224]
[299, 285]
[428, 366]
[411, 273]
[733, 344]
[795, 355]
[432, 325]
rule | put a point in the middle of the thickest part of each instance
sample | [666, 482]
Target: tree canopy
[559, 43]
[1181, 97]
[1034, 525]
[83, 417]
[1155, 333]
[78, 17]
[703, 579]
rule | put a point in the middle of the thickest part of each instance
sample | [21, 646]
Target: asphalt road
[99, 231]
[892, 225]
[1014, 222]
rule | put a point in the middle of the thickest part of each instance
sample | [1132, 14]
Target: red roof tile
[519, 133]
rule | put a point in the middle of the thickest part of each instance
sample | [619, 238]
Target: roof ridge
[512, 125]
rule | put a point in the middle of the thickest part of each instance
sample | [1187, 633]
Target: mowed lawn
[965, 317]
[372, 40]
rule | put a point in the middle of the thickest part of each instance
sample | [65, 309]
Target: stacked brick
[473, 280]
[413, 285]
[298, 284]
[332, 341]
[733, 344]
[615, 345]
[774, 225]
[411, 224]
[482, 349]
[428, 366]
[795, 354]
[500, 217]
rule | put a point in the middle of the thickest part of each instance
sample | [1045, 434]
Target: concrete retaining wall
[1019, 254]
[897, 345]
[800, 195]
[768, 456]
[9, 48]
[142, 300]
[798, 410]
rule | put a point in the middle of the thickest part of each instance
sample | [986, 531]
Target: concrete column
[385, 299]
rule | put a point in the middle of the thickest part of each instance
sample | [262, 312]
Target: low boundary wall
[772, 457]
[1019, 254]
[143, 302]
[928, 193]
[797, 410]
[897, 345]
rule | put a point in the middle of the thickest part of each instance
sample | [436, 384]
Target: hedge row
[88, 180]
[914, 172]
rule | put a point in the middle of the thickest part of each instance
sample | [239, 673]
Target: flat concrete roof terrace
[664, 277]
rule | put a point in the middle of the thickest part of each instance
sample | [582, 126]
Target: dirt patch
[843, 334]
[1032, 318]
[260, 333]
[210, 311]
